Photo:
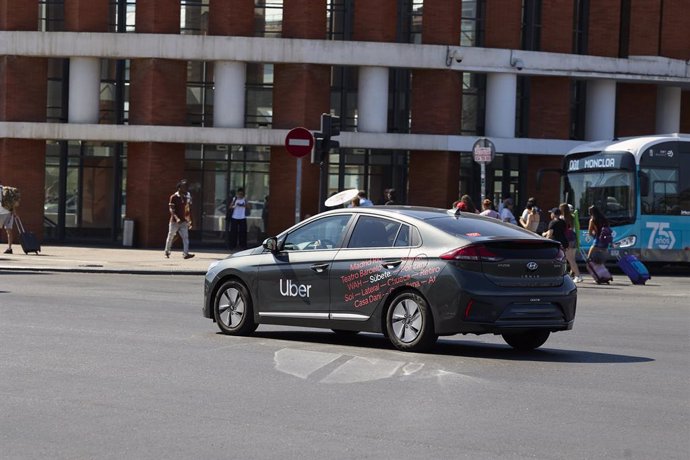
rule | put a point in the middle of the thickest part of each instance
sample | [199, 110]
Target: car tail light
[560, 256]
[472, 253]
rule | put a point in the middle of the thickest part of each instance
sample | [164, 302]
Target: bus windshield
[612, 191]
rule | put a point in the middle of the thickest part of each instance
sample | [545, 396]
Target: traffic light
[330, 127]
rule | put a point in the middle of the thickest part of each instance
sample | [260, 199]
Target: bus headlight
[627, 242]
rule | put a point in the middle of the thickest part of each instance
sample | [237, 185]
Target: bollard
[128, 233]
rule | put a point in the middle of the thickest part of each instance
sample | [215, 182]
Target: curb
[104, 270]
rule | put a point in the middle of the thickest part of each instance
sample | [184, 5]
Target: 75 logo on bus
[661, 237]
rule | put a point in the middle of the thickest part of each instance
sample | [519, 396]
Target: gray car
[410, 273]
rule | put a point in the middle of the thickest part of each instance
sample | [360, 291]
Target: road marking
[360, 369]
[302, 363]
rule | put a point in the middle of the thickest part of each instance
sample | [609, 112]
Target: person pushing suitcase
[9, 201]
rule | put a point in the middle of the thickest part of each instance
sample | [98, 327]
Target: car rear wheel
[526, 340]
[409, 323]
[233, 309]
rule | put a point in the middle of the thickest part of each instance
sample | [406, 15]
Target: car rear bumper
[551, 309]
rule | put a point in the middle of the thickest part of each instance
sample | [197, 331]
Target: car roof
[436, 218]
[415, 212]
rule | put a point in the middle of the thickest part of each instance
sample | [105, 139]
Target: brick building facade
[106, 104]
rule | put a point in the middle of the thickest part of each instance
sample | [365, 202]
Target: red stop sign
[299, 142]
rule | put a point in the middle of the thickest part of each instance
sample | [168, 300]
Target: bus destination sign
[599, 161]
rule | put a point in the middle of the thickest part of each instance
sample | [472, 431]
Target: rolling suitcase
[28, 240]
[634, 268]
[598, 271]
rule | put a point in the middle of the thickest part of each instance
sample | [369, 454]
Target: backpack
[605, 237]
[10, 197]
[543, 222]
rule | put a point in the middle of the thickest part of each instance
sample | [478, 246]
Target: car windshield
[611, 191]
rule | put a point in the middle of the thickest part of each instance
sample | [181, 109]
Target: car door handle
[319, 268]
[391, 264]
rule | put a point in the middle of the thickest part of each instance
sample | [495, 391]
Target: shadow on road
[454, 347]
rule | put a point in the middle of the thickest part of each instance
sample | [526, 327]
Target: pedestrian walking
[601, 232]
[180, 221]
[363, 200]
[488, 209]
[9, 201]
[465, 204]
[530, 218]
[556, 228]
[391, 198]
[507, 212]
[571, 234]
[239, 211]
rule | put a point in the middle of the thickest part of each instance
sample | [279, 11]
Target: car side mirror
[271, 244]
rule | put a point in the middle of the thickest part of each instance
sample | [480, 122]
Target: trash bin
[128, 233]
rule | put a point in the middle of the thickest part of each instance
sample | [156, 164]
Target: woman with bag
[571, 236]
[600, 230]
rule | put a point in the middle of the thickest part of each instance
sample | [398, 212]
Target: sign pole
[483, 152]
[299, 142]
[298, 191]
[483, 181]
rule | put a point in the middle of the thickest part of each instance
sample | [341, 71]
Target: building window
[194, 17]
[580, 26]
[415, 21]
[51, 15]
[122, 15]
[339, 19]
[473, 90]
[259, 105]
[472, 31]
[199, 93]
[269, 15]
[531, 25]
[82, 176]
[215, 172]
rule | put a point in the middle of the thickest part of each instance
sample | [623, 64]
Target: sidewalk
[108, 260]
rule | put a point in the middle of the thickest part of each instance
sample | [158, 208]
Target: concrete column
[229, 95]
[600, 117]
[372, 100]
[501, 93]
[668, 109]
[84, 89]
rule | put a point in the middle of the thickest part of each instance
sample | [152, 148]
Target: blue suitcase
[27, 239]
[634, 268]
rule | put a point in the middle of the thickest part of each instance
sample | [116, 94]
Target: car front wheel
[409, 323]
[526, 341]
[233, 309]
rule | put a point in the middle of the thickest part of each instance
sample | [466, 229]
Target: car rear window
[469, 226]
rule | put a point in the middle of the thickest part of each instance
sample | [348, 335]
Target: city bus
[642, 185]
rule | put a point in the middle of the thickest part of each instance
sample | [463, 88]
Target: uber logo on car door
[292, 289]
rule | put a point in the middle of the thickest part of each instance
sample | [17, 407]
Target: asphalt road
[120, 366]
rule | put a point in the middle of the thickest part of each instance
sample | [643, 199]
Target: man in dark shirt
[557, 228]
[180, 219]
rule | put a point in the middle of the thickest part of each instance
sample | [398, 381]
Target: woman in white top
[239, 207]
[487, 206]
[530, 218]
